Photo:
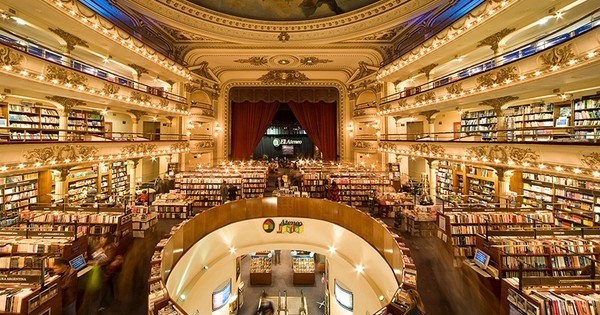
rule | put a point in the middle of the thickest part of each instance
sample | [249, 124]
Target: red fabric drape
[249, 122]
[319, 122]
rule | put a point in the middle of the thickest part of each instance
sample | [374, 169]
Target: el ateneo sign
[278, 141]
[284, 227]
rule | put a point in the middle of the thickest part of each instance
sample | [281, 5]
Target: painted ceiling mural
[283, 10]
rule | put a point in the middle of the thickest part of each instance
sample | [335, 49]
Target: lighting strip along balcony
[107, 158]
[583, 59]
[470, 22]
[110, 31]
[564, 170]
[80, 88]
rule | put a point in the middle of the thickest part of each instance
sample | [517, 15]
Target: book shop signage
[284, 227]
[279, 141]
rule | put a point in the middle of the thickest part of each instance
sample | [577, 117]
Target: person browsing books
[68, 277]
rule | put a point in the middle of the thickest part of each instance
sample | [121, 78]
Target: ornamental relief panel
[504, 154]
[139, 148]
[9, 57]
[60, 153]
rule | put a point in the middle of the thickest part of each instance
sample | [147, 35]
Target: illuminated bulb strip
[436, 43]
[145, 51]
[523, 77]
[92, 91]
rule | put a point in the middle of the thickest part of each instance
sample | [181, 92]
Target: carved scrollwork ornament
[180, 146]
[424, 97]
[427, 149]
[110, 89]
[454, 88]
[207, 144]
[283, 77]
[64, 76]
[558, 56]
[359, 112]
[140, 97]
[8, 57]
[140, 148]
[503, 154]
[60, 153]
[497, 77]
[592, 160]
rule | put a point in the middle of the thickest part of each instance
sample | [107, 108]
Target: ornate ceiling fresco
[283, 10]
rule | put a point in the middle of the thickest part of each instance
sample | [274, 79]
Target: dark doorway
[152, 130]
[284, 137]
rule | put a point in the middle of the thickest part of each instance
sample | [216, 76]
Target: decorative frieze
[503, 154]
[184, 146]
[592, 160]
[424, 97]
[110, 89]
[558, 56]
[9, 57]
[70, 39]
[494, 78]
[61, 153]
[140, 97]
[494, 39]
[283, 77]
[454, 88]
[311, 61]
[206, 144]
[254, 61]
[139, 148]
[427, 149]
[60, 75]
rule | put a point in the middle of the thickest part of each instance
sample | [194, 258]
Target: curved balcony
[365, 110]
[182, 265]
[37, 77]
[463, 83]
[202, 109]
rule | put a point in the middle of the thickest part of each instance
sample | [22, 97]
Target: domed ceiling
[283, 10]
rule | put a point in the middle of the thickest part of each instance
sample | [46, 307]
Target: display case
[303, 266]
[26, 296]
[173, 206]
[421, 220]
[260, 268]
[144, 223]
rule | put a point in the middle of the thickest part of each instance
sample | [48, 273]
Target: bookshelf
[444, 178]
[29, 121]
[543, 252]
[119, 180]
[173, 206]
[357, 188]
[27, 296]
[79, 182]
[204, 186]
[458, 227]
[254, 181]
[303, 267]
[482, 123]
[314, 184]
[17, 193]
[586, 117]
[576, 201]
[88, 121]
[260, 268]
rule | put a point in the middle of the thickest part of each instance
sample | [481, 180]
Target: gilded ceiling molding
[70, 39]
[110, 89]
[311, 61]
[503, 154]
[10, 58]
[254, 61]
[60, 153]
[558, 56]
[427, 149]
[494, 78]
[139, 148]
[60, 75]
[454, 88]
[497, 103]
[359, 112]
[386, 35]
[282, 77]
[206, 144]
[427, 69]
[67, 103]
[139, 70]
[363, 71]
[140, 97]
[494, 39]
[425, 97]
[283, 37]
[592, 160]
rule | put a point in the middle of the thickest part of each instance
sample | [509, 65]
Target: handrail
[42, 52]
[59, 135]
[497, 61]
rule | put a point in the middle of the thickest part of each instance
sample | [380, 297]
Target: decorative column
[131, 171]
[433, 168]
[496, 104]
[60, 188]
[431, 121]
[504, 177]
[63, 120]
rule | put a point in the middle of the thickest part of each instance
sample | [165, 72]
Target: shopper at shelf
[232, 192]
[110, 262]
[224, 192]
[334, 192]
[68, 277]
[415, 305]
[266, 306]
[143, 198]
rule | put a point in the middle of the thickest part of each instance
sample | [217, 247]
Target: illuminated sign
[268, 225]
[290, 227]
[277, 141]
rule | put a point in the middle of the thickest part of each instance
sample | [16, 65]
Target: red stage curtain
[249, 122]
[320, 123]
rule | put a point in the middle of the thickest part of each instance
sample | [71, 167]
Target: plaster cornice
[376, 17]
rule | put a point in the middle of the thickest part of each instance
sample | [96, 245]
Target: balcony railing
[12, 135]
[567, 134]
[558, 37]
[47, 54]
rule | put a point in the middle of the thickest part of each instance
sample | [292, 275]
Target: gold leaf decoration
[592, 160]
[501, 76]
[60, 153]
[138, 148]
[255, 61]
[311, 61]
[558, 56]
[140, 97]
[503, 154]
[70, 39]
[8, 57]
[64, 76]
[427, 149]
[364, 145]
[180, 146]
[427, 69]
[424, 97]
[207, 144]
[454, 88]
[494, 39]
[110, 89]
[283, 77]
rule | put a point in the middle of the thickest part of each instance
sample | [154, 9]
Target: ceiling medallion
[283, 37]
[283, 77]
[284, 60]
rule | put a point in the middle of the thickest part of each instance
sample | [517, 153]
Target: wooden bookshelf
[479, 123]
[17, 193]
[88, 121]
[586, 116]
[30, 121]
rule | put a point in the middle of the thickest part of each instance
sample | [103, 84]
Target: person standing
[334, 192]
[415, 303]
[266, 306]
[277, 257]
[232, 192]
[68, 277]
[224, 192]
